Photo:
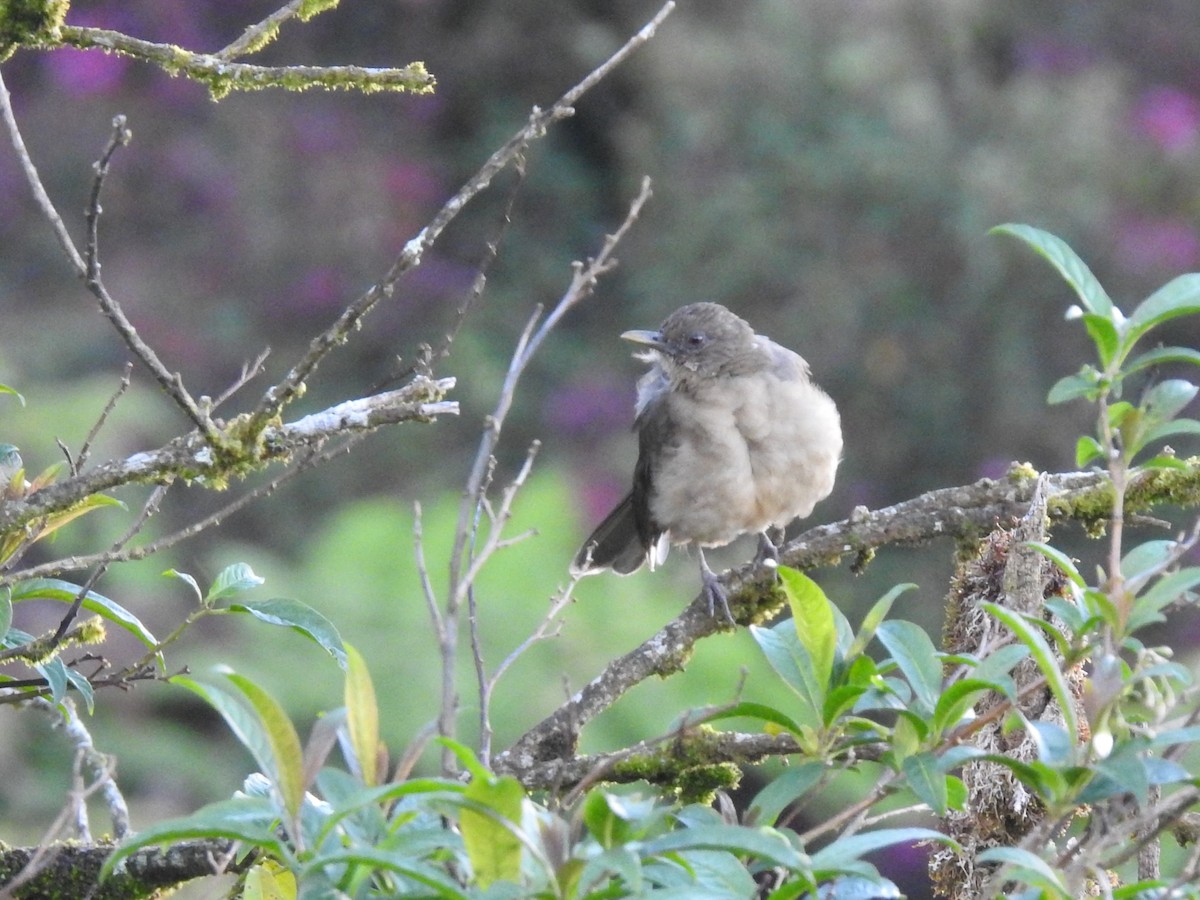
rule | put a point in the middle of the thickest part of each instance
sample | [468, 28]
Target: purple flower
[85, 73]
[1149, 246]
[1169, 117]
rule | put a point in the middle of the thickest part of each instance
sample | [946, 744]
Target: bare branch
[283, 393]
[192, 458]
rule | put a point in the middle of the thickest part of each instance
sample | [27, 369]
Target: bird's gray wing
[656, 433]
[785, 364]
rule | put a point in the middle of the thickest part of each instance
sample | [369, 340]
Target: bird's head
[704, 338]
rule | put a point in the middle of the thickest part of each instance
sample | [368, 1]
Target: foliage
[1047, 740]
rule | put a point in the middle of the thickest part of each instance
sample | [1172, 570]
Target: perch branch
[969, 511]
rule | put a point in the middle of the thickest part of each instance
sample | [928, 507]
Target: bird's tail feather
[614, 544]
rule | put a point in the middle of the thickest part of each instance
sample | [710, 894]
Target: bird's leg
[714, 592]
[768, 549]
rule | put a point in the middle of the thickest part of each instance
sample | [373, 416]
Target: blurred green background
[826, 169]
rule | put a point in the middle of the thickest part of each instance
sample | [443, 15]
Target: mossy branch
[190, 457]
[222, 76]
[962, 513]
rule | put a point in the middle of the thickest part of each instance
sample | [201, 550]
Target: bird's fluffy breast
[771, 443]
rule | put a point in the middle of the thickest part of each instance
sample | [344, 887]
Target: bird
[733, 438]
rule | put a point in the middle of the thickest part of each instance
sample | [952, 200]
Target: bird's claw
[768, 552]
[715, 593]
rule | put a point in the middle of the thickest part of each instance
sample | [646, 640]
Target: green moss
[29, 23]
[684, 767]
[310, 8]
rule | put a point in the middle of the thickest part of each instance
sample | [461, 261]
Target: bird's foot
[768, 550]
[714, 592]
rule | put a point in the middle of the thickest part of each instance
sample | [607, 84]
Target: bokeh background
[827, 168]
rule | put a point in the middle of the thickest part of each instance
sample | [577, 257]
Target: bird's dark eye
[697, 340]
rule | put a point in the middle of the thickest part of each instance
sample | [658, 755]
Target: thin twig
[169, 381]
[85, 450]
[260, 33]
[40, 197]
[283, 393]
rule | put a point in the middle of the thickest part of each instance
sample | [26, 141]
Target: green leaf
[1166, 400]
[1147, 556]
[1165, 591]
[235, 579]
[66, 592]
[1031, 637]
[870, 623]
[620, 862]
[917, 658]
[924, 776]
[791, 661]
[812, 614]
[269, 881]
[1104, 335]
[247, 819]
[1178, 297]
[1087, 448]
[188, 580]
[5, 389]
[362, 715]
[249, 728]
[843, 852]
[1169, 429]
[760, 711]
[286, 763]
[788, 787]
[300, 617]
[761, 843]
[1074, 271]
[954, 702]
[1086, 384]
[1159, 356]
[1064, 562]
[399, 861]
[492, 846]
[1028, 867]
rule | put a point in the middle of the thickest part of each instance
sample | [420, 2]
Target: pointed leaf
[793, 784]
[362, 715]
[1060, 559]
[66, 592]
[250, 730]
[1161, 355]
[188, 580]
[870, 622]
[287, 756]
[845, 851]
[5, 389]
[760, 711]
[791, 662]
[1087, 448]
[924, 776]
[247, 819]
[1086, 384]
[1178, 297]
[299, 616]
[1031, 637]
[917, 658]
[1074, 271]
[812, 614]
[492, 847]
[1029, 867]
[235, 579]
[762, 843]
[1104, 335]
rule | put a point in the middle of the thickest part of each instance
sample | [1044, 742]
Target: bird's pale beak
[648, 338]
